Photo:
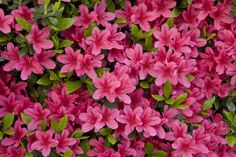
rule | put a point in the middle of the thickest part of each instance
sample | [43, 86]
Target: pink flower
[38, 114]
[131, 118]
[231, 71]
[70, 59]
[163, 72]
[44, 142]
[126, 86]
[165, 36]
[149, 119]
[210, 86]
[125, 149]
[99, 41]
[143, 17]
[106, 86]
[223, 62]
[27, 65]
[23, 12]
[185, 147]
[109, 116]
[102, 16]
[8, 104]
[39, 38]
[180, 44]
[92, 119]
[179, 131]
[206, 7]
[85, 17]
[146, 66]
[5, 22]
[17, 137]
[134, 55]
[12, 55]
[183, 70]
[64, 142]
[115, 37]
[86, 64]
[44, 59]
[162, 7]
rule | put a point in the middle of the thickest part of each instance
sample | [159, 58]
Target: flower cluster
[117, 78]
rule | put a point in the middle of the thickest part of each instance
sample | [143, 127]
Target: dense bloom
[23, 12]
[5, 22]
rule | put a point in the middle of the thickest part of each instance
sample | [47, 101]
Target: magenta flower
[180, 44]
[99, 41]
[92, 119]
[86, 64]
[38, 114]
[23, 12]
[106, 86]
[131, 118]
[99, 147]
[5, 22]
[8, 104]
[223, 62]
[27, 65]
[210, 86]
[85, 17]
[44, 142]
[134, 55]
[15, 140]
[163, 72]
[39, 38]
[102, 17]
[115, 37]
[12, 55]
[206, 7]
[143, 17]
[179, 131]
[44, 59]
[149, 119]
[70, 59]
[109, 116]
[64, 142]
[231, 71]
[165, 36]
[162, 7]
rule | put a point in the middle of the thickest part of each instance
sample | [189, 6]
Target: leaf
[159, 153]
[3, 38]
[167, 89]
[120, 20]
[65, 23]
[66, 43]
[88, 31]
[105, 131]
[9, 132]
[85, 145]
[68, 153]
[148, 34]
[8, 121]
[111, 139]
[72, 86]
[208, 104]
[44, 81]
[1, 59]
[53, 75]
[26, 119]
[182, 106]
[144, 84]
[100, 71]
[230, 106]
[148, 44]
[148, 148]
[180, 99]
[212, 35]
[62, 123]
[169, 101]
[1, 135]
[56, 5]
[190, 77]
[77, 134]
[233, 93]
[175, 12]
[55, 41]
[28, 154]
[231, 140]
[158, 97]
[24, 24]
[170, 22]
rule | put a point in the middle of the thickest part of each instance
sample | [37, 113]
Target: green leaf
[169, 101]
[212, 35]
[65, 23]
[167, 89]
[8, 120]
[144, 84]
[9, 132]
[72, 86]
[233, 93]
[120, 20]
[44, 81]
[148, 44]
[101, 71]
[24, 24]
[170, 22]
[55, 41]
[77, 134]
[1, 135]
[1, 59]
[182, 106]
[111, 6]
[175, 12]
[148, 148]
[61, 125]
[180, 99]
[28, 154]
[148, 34]
[53, 75]
[158, 97]
[56, 5]
[66, 43]
[85, 145]
[68, 153]
[88, 31]
[159, 153]
[208, 104]
[3, 38]
[46, 3]
[105, 131]
[111, 139]
[26, 119]
[190, 77]
[231, 140]
[53, 20]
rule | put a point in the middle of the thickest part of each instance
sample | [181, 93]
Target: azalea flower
[44, 59]
[23, 12]
[39, 38]
[162, 7]
[131, 118]
[134, 55]
[99, 41]
[5, 21]
[206, 7]
[102, 17]
[106, 86]
[12, 55]
[109, 116]
[231, 70]
[115, 37]
[44, 142]
[8, 104]
[38, 115]
[64, 142]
